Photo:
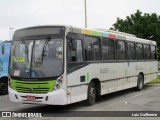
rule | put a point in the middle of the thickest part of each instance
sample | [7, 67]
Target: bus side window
[131, 51]
[75, 51]
[147, 52]
[5, 49]
[108, 49]
[139, 51]
[153, 52]
[120, 50]
[92, 48]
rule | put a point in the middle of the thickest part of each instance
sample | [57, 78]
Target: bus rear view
[32, 79]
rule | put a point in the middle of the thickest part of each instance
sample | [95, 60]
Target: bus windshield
[38, 58]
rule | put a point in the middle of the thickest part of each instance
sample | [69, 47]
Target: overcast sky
[101, 13]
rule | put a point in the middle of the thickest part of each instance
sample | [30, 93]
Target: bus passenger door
[75, 51]
[75, 75]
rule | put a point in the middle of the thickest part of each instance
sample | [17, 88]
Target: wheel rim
[92, 95]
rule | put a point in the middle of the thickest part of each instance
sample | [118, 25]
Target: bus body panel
[4, 62]
[113, 75]
[4, 58]
[57, 97]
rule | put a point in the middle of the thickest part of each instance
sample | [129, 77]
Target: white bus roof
[110, 34]
[103, 33]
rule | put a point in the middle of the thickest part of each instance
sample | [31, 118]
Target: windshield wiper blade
[26, 52]
[44, 47]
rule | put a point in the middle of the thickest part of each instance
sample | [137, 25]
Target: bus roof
[112, 34]
[100, 33]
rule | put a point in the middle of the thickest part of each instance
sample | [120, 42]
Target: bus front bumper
[57, 97]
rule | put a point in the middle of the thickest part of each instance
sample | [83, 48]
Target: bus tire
[3, 86]
[140, 82]
[91, 94]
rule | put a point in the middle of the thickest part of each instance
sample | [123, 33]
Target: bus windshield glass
[38, 58]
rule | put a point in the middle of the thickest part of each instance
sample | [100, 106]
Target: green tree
[145, 26]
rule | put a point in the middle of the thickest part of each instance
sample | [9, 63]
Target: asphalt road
[127, 100]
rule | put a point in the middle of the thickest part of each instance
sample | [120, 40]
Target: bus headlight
[9, 82]
[59, 83]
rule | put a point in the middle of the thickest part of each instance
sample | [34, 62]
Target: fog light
[57, 86]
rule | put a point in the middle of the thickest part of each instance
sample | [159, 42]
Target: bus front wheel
[91, 97]
[3, 86]
[140, 82]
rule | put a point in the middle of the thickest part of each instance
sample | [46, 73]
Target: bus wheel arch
[140, 81]
[94, 88]
[4, 85]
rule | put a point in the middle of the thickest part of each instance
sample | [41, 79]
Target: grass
[156, 80]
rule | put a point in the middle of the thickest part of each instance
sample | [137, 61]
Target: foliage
[156, 80]
[145, 26]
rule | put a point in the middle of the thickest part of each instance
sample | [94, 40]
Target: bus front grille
[32, 90]
[33, 86]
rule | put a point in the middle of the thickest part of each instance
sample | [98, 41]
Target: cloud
[100, 13]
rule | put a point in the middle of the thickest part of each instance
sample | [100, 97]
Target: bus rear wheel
[3, 86]
[91, 97]
[140, 82]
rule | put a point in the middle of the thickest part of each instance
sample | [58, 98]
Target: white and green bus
[60, 65]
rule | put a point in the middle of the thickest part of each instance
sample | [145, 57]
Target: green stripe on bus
[35, 86]
[87, 76]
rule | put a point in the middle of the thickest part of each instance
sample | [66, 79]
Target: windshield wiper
[44, 47]
[26, 52]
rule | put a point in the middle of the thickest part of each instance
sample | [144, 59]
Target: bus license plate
[31, 98]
